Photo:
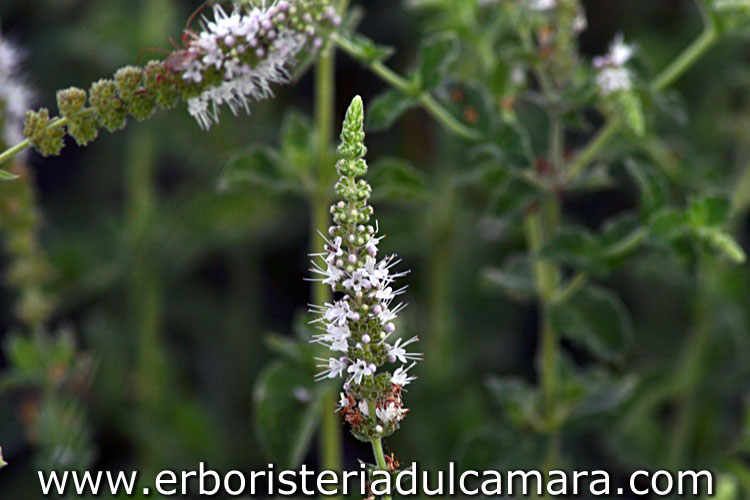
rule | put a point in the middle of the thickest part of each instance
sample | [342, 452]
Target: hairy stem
[428, 102]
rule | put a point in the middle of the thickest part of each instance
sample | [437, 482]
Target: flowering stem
[377, 450]
[666, 78]
[428, 102]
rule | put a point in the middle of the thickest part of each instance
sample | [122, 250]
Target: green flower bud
[109, 108]
[83, 128]
[48, 141]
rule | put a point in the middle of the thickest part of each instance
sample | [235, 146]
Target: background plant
[159, 270]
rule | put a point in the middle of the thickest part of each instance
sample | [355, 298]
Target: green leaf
[297, 141]
[3, 463]
[668, 224]
[596, 319]
[259, 167]
[290, 348]
[471, 104]
[437, 54]
[710, 211]
[517, 398]
[632, 111]
[287, 406]
[512, 199]
[515, 277]
[653, 188]
[723, 243]
[398, 180]
[7, 176]
[368, 51]
[386, 108]
[575, 247]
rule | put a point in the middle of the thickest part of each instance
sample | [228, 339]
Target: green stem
[145, 284]
[667, 77]
[546, 277]
[330, 429]
[377, 450]
[441, 264]
[428, 102]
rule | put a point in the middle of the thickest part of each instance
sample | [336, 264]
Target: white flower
[542, 4]
[228, 42]
[334, 250]
[611, 80]
[389, 414]
[619, 53]
[343, 401]
[397, 351]
[376, 271]
[364, 408]
[357, 281]
[337, 312]
[613, 76]
[334, 367]
[401, 376]
[359, 370]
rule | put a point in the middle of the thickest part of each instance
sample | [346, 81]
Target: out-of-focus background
[171, 283]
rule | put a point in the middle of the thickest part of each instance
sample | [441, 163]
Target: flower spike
[357, 325]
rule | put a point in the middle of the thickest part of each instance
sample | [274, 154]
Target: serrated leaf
[398, 180]
[437, 54]
[596, 319]
[388, 107]
[286, 421]
[515, 277]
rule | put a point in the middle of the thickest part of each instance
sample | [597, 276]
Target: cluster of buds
[359, 324]
[236, 58]
[614, 81]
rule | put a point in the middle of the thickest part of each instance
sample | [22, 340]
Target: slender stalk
[428, 102]
[377, 450]
[145, 284]
[330, 430]
[440, 276]
[545, 275]
[666, 78]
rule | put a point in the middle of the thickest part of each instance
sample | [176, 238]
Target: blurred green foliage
[175, 253]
